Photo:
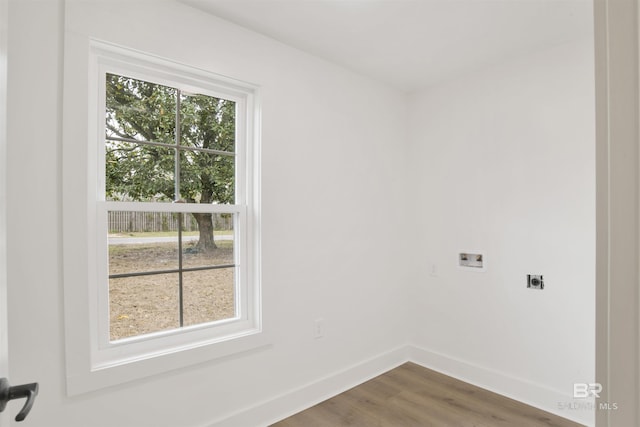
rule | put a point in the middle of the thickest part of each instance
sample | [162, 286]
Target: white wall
[332, 216]
[503, 161]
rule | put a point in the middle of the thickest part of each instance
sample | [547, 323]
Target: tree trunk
[205, 228]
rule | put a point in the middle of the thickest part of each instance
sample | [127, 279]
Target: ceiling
[411, 44]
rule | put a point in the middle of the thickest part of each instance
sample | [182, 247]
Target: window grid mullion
[166, 145]
[180, 272]
[174, 270]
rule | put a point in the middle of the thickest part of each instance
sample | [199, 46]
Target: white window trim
[93, 362]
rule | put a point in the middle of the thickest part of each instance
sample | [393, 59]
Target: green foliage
[143, 111]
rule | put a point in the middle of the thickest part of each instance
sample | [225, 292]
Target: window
[171, 236]
[169, 270]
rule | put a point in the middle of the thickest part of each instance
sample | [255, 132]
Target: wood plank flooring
[413, 396]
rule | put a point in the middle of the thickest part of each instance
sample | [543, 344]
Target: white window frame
[93, 361]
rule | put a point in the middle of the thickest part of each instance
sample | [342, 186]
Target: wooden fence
[131, 222]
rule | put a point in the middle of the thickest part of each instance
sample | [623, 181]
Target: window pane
[207, 122]
[207, 177]
[137, 172]
[143, 304]
[140, 110]
[213, 244]
[209, 295]
[143, 241]
[147, 270]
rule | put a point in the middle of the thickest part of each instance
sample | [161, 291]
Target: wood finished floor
[412, 396]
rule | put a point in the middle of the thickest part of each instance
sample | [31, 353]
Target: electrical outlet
[318, 328]
[535, 281]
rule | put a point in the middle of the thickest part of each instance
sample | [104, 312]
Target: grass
[135, 250]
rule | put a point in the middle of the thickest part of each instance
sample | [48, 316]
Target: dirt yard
[144, 304]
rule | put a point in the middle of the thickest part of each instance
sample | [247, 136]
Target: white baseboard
[294, 401]
[536, 395]
[301, 398]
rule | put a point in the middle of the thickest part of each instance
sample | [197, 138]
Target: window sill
[130, 370]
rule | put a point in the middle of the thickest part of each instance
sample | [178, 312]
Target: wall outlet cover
[472, 261]
[535, 281]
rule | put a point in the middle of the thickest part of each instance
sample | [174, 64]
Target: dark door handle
[7, 393]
